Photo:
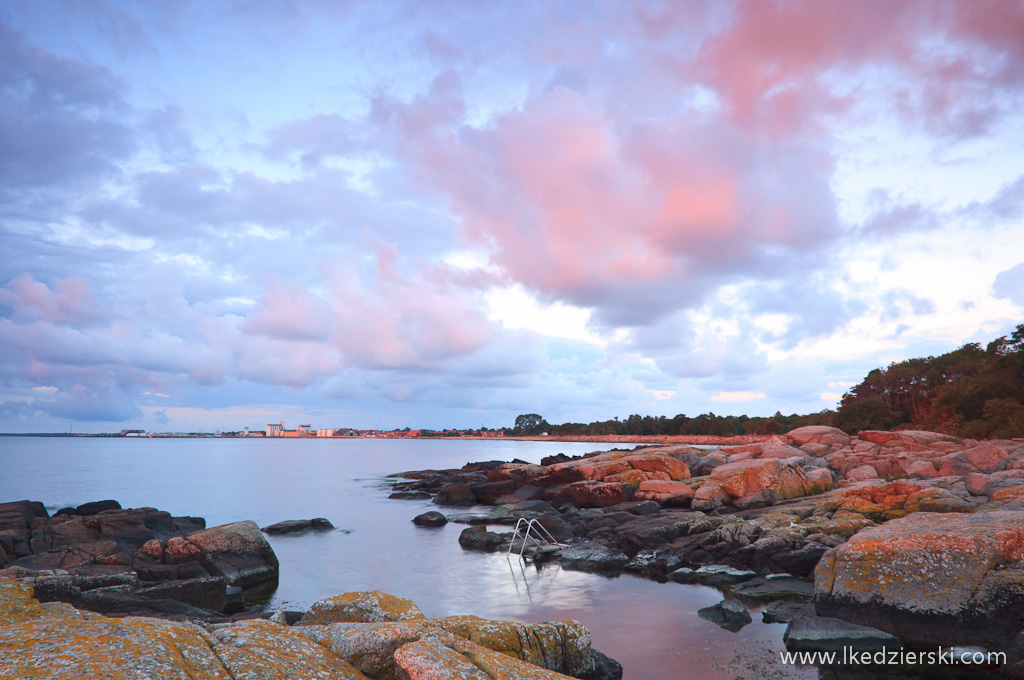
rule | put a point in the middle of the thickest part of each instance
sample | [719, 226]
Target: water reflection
[651, 628]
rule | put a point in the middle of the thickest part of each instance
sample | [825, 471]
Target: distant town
[278, 430]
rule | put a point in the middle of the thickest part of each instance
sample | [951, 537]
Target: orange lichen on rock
[366, 606]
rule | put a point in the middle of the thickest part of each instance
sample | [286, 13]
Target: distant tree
[530, 424]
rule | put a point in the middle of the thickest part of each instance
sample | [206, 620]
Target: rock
[931, 578]
[430, 519]
[659, 462]
[761, 481]
[594, 558]
[371, 606]
[456, 494]
[411, 495]
[236, 551]
[818, 434]
[984, 458]
[488, 493]
[604, 668]
[234, 600]
[289, 526]
[710, 496]
[729, 614]
[715, 575]
[205, 593]
[58, 642]
[784, 612]
[479, 538]
[96, 507]
[596, 494]
[921, 469]
[775, 588]
[812, 634]
[667, 493]
[862, 473]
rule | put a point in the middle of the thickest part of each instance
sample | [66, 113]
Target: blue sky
[221, 214]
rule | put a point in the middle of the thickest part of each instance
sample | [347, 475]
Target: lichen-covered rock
[931, 578]
[57, 642]
[264, 650]
[669, 493]
[367, 606]
[761, 481]
[659, 462]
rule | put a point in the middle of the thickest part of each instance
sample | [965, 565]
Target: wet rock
[96, 507]
[411, 495]
[775, 588]
[594, 558]
[299, 526]
[430, 519]
[729, 614]
[784, 612]
[479, 538]
[712, 575]
[813, 633]
[456, 494]
[205, 593]
[603, 668]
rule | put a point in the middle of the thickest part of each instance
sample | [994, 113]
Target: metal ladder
[534, 531]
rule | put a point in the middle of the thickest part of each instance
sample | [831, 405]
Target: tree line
[969, 392]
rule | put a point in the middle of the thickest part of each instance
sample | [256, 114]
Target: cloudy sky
[383, 214]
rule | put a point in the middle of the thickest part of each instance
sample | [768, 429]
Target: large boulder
[931, 578]
[763, 481]
[239, 552]
[819, 434]
[370, 606]
[595, 494]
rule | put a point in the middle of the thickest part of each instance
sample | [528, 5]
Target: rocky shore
[102, 591]
[910, 537]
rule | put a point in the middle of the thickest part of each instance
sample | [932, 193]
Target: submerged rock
[430, 519]
[729, 614]
[814, 633]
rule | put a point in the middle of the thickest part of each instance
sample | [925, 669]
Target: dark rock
[762, 588]
[729, 614]
[189, 570]
[204, 593]
[289, 526]
[96, 507]
[483, 465]
[784, 612]
[234, 601]
[524, 494]
[557, 458]
[456, 494]
[642, 508]
[321, 524]
[430, 519]
[715, 575]
[603, 667]
[478, 538]
[65, 511]
[411, 495]
[488, 493]
[595, 558]
[813, 633]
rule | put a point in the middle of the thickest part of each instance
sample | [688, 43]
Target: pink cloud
[70, 301]
[771, 65]
[287, 311]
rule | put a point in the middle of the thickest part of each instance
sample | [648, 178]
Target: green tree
[529, 424]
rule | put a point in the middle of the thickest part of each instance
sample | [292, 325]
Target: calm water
[651, 628]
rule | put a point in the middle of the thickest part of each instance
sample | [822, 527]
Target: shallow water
[651, 628]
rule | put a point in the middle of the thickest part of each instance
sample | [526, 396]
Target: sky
[216, 215]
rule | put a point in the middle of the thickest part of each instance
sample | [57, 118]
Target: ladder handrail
[538, 529]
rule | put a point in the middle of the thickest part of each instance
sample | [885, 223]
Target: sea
[651, 628]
